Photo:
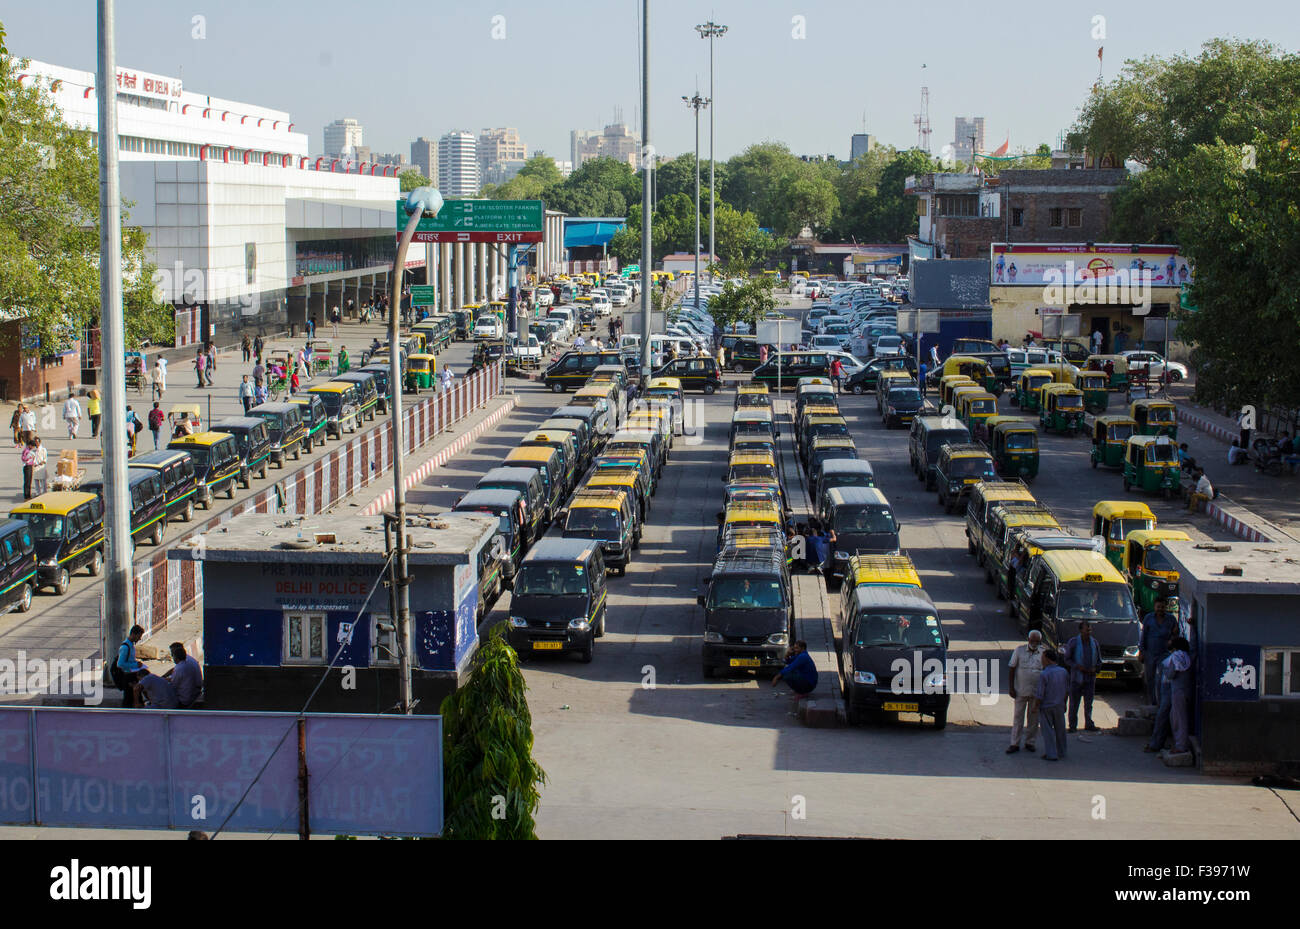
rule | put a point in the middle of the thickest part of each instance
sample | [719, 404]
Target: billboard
[1037, 264]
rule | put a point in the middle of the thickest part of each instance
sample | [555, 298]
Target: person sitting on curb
[1203, 493]
[799, 672]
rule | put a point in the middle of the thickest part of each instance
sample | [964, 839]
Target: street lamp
[421, 202]
[711, 31]
[697, 103]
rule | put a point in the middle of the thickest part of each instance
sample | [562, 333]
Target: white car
[487, 329]
[888, 345]
[544, 296]
[600, 303]
[852, 363]
[1139, 360]
[530, 352]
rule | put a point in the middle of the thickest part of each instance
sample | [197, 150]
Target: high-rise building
[501, 171]
[458, 173]
[860, 144]
[424, 157]
[963, 130]
[342, 135]
[614, 141]
[496, 145]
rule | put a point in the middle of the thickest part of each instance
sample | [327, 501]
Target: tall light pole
[697, 103]
[117, 509]
[423, 201]
[647, 212]
[711, 31]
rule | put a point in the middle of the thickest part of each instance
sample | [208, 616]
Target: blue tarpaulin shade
[580, 235]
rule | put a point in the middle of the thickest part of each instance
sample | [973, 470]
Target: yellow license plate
[902, 707]
[547, 646]
[1105, 675]
[745, 663]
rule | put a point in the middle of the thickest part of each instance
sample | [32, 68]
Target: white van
[567, 319]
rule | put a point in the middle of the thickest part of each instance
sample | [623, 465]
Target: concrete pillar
[462, 274]
[480, 272]
[444, 278]
[495, 276]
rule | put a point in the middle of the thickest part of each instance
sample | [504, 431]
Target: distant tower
[922, 121]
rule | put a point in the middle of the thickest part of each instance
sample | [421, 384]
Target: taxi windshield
[1160, 414]
[200, 453]
[857, 519]
[1119, 433]
[1104, 601]
[1156, 559]
[739, 593]
[1120, 528]
[1020, 439]
[1163, 453]
[1069, 402]
[820, 429]
[745, 471]
[590, 518]
[44, 525]
[971, 467]
[552, 580]
[904, 394]
[876, 630]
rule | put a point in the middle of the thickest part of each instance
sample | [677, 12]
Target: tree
[740, 243]
[892, 214]
[491, 778]
[49, 232]
[410, 179]
[543, 169]
[746, 303]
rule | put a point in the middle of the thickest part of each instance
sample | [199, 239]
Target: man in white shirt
[1204, 492]
[1237, 454]
[1024, 668]
[72, 415]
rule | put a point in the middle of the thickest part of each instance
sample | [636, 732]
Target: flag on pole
[1099, 50]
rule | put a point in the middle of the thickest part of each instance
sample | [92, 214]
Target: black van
[742, 352]
[748, 610]
[884, 624]
[508, 507]
[68, 530]
[254, 440]
[929, 434]
[148, 503]
[696, 372]
[284, 422]
[571, 370]
[596, 437]
[381, 375]
[559, 600]
[216, 463]
[314, 417]
[368, 387]
[18, 570]
[860, 520]
[529, 483]
[178, 477]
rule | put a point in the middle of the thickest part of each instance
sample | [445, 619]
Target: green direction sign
[422, 295]
[479, 221]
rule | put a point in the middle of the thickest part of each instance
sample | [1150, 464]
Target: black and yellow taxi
[667, 393]
[645, 440]
[959, 468]
[999, 539]
[367, 390]
[342, 402]
[695, 372]
[748, 606]
[839, 472]
[216, 463]
[67, 529]
[180, 482]
[597, 428]
[565, 441]
[17, 566]
[752, 422]
[983, 496]
[656, 417]
[830, 448]
[559, 601]
[528, 482]
[548, 462]
[571, 370]
[148, 502]
[381, 373]
[508, 506]
[314, 417]
[861, 521]
[286, 427]
[753, 395]
[603, 398]
[605, 515]
[252, 435]
[637, 461]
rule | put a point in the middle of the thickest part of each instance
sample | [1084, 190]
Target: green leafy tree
[410, 179]
[49, 226]
[748, 303]
[741, 244]
[492, 781]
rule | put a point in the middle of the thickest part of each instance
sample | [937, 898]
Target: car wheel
[738, 368]
[584, 655]
[246, 479]
[857, 390]
[61, 582]
[25, 601]
[709, 388]
[941, 718]
[1175, 377]
[230, 489]
[157, 536]
[297, 451]
[600, 629]
[557, 387]
[188, 513]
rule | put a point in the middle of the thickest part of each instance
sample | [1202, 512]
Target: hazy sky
[406, 68]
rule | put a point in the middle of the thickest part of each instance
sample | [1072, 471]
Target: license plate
[547, 646]
[1105, 675]
[901, 707]
[745, 663]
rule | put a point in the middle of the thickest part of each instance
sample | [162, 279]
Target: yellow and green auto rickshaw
[950, 382]
[1013, 443]
[1061, 409]
[1155, 417]
[977, 369]
[1028, 385]
[1110, 434]
[975, 409]
[1113, 520]
[1096, 396]
[1118, 372]
[421, 372]
[1151, 465]
[1148, 568]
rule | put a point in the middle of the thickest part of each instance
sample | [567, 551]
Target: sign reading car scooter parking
[503, 221]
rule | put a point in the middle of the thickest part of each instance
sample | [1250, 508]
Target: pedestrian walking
[212, 362]
[293, 382]
[1082, 656]
[72, 415]
[157, 380]
[837, 372]
[13, 422]
[93, 409]
[922, 371]
[200, 366]
[246, 346]
[1050, 693]
[1025, 667]
[1158, 628]
[311, 327]
[133, 427]
[26, 423]
[448, 378]
[246, 394]
[126, 666]
[156, 418]
[334, 318]
[257, 350]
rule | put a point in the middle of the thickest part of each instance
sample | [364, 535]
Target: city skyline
[316, 86]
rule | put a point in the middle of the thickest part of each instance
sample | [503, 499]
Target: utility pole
[647, 170]
[117, 508]
[710, 31]
[697, 103]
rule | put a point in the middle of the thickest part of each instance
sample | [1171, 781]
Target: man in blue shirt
[818, 546]
[128, 666]
[799, 672]
[923, 369]
[1157, 630]
[1082, 656]
[1052, 685]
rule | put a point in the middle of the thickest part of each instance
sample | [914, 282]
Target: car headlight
[50, 563]
[954, 485]
[711, 636]
[778, 638]
[863, 677]
[518, 622]
[580, 624]
[1131, 651]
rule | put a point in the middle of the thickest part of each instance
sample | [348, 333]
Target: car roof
[551, 548]
[846, 466]
[855, 495]
[509, 474]
[57, 502]
[238, 422]
[202, 438]
[495, 496]
[889, 597]
[1073, 565]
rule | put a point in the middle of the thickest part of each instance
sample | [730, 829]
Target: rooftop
[1266, 567]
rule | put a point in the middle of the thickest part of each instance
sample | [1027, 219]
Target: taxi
[549, 463]
[67, 529]
[878, 570]
[819, 426]
[646, 440]
[1119, 369]
[829, 448]
[666, 393]
[1013, 443]
[341, 401]
[603, 398]
[959, 468]
[998, 540]
[1113, 520]
[1096, 390]
[1030, 382]
[886, 380]
[637, 461]
[421, 372]
[814, 391]
[983, 497]
[567, 445]
[1061, 409]
[558, 603]
[314, 416]
[950, 382]
[217, 464]
[748, 606]
[977, 369]
[606, 516]
[1151, 465]
[757, 466]
[1148, 568]
[752, 421]
[749, 515]
[1033, 541]
[1155, 417]
[655, 418]
[1110, 435]
[18, 567]
[627, 480]
[753, 395]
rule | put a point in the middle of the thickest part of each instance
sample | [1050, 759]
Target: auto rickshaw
[1155, 417]
[421, 372]
[950, 382]
[1151, 464]
[137, 378]
[975, 409]
[1119, 369]
[1096, 396]
[1061, 409]
[1029, 383]
[1113, 520]
[1013, 443]
[977, 369]
[185, 419]
[1148, 568]
[1109, 436]
[322, 356]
